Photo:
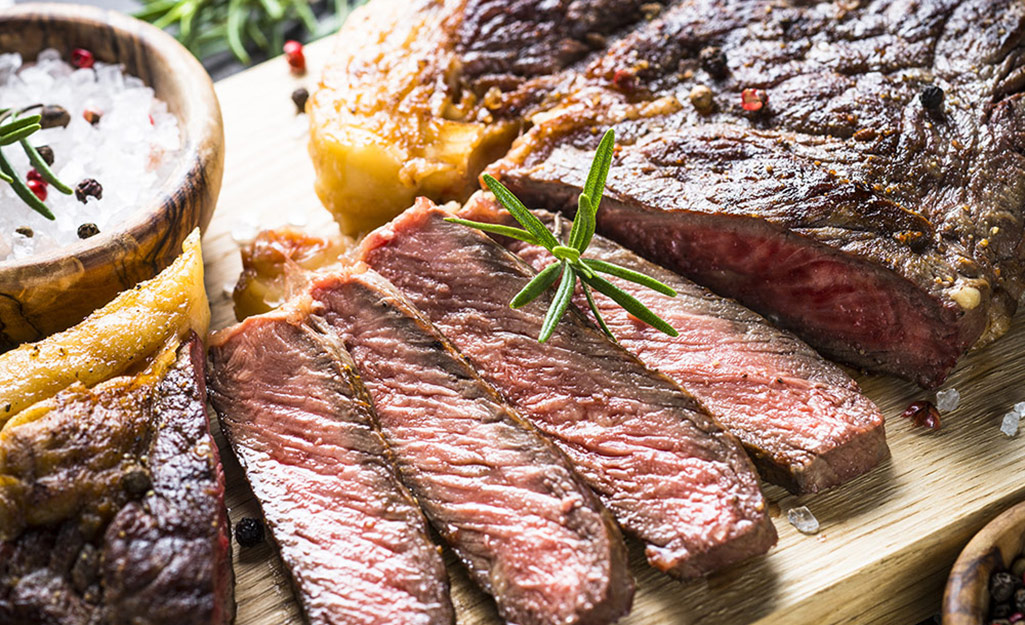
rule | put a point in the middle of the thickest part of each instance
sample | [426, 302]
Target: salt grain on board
[802, 518]
[1011, 420]
[124, 151]
[947, 399]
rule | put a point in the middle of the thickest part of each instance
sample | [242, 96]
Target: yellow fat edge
[113, 339]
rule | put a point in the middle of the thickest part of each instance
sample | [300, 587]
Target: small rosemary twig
[570, 265]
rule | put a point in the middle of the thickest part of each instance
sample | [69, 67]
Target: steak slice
[112, 505]
[665, 469]
[300, 423]
[874, 204]
[507, 501]
[803, 421]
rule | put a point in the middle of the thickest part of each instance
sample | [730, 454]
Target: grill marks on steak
[664, 468]
[300, 423]
[529, 531]
[804, 422]
[898, 226]
[112, 505]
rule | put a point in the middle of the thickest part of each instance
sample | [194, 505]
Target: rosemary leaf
[583, 224]
[630, 275]
[236, 21]
[505, 231]
[520, 213]
[18, 135]
[631, 304]
[595, 184]
[537, 285]
[563, 296]
[44, 169]
[18, 123]
[23, 191]
[595, 311]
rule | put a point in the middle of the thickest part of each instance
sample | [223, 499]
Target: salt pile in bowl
[129, 151]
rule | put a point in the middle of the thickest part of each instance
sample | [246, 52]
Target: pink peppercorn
[753, 100]
[82, 58]
[39, 188]
[295, 57]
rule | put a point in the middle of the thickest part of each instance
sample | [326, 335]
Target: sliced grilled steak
[300, 423]
[112, 505]
[524, 524]
[873, 204]
[666, 470]
[801, 418]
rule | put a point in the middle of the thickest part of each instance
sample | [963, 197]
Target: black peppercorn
[88, 230]
[46, 153]
[1002, 586]
[249, 532]
[136, 481]
[52, 116]
[25, 231]
[932, 97]
[89, 187]
[299, 96]
[713, 61]
[1001, 610]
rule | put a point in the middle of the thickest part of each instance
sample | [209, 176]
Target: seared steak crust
[894, 227]
[524, 524]
[803, 421]
[666, 470]
[112, 505]
[301, 425]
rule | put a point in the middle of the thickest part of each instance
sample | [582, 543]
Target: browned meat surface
[112, 505]
[300, 423]
[524, 524]
[873, 205]
[804, 422]
[410, 103]
[665, 469]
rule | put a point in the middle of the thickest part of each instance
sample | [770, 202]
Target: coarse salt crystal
[802, 518]
[1009, 426]
[947, 399]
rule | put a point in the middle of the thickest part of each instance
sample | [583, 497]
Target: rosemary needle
[570, 264]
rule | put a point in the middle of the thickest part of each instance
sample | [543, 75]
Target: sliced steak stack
[301, 425]
[665, 469]
[524, 524]
[112, 504]
[802, 419]
[872, 203]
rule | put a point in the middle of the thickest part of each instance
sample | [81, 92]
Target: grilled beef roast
[300, 423]
[666, 470]
[524, 524]
[112, 505]
[804, 422]
[869, 196]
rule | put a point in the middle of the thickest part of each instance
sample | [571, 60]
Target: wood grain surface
[49, 292]
[887, 541]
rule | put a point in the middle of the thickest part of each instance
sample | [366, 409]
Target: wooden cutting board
[887, 541]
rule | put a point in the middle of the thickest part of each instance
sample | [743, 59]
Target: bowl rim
[199, 121]
[965, 593]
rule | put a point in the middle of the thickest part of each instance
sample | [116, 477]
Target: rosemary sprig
[208, 27]
[570, 265]
[15, 129]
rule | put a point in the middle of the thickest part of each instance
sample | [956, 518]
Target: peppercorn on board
[887, 539]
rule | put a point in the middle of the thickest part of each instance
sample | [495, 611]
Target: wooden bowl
[966, 599]
[48, 292]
